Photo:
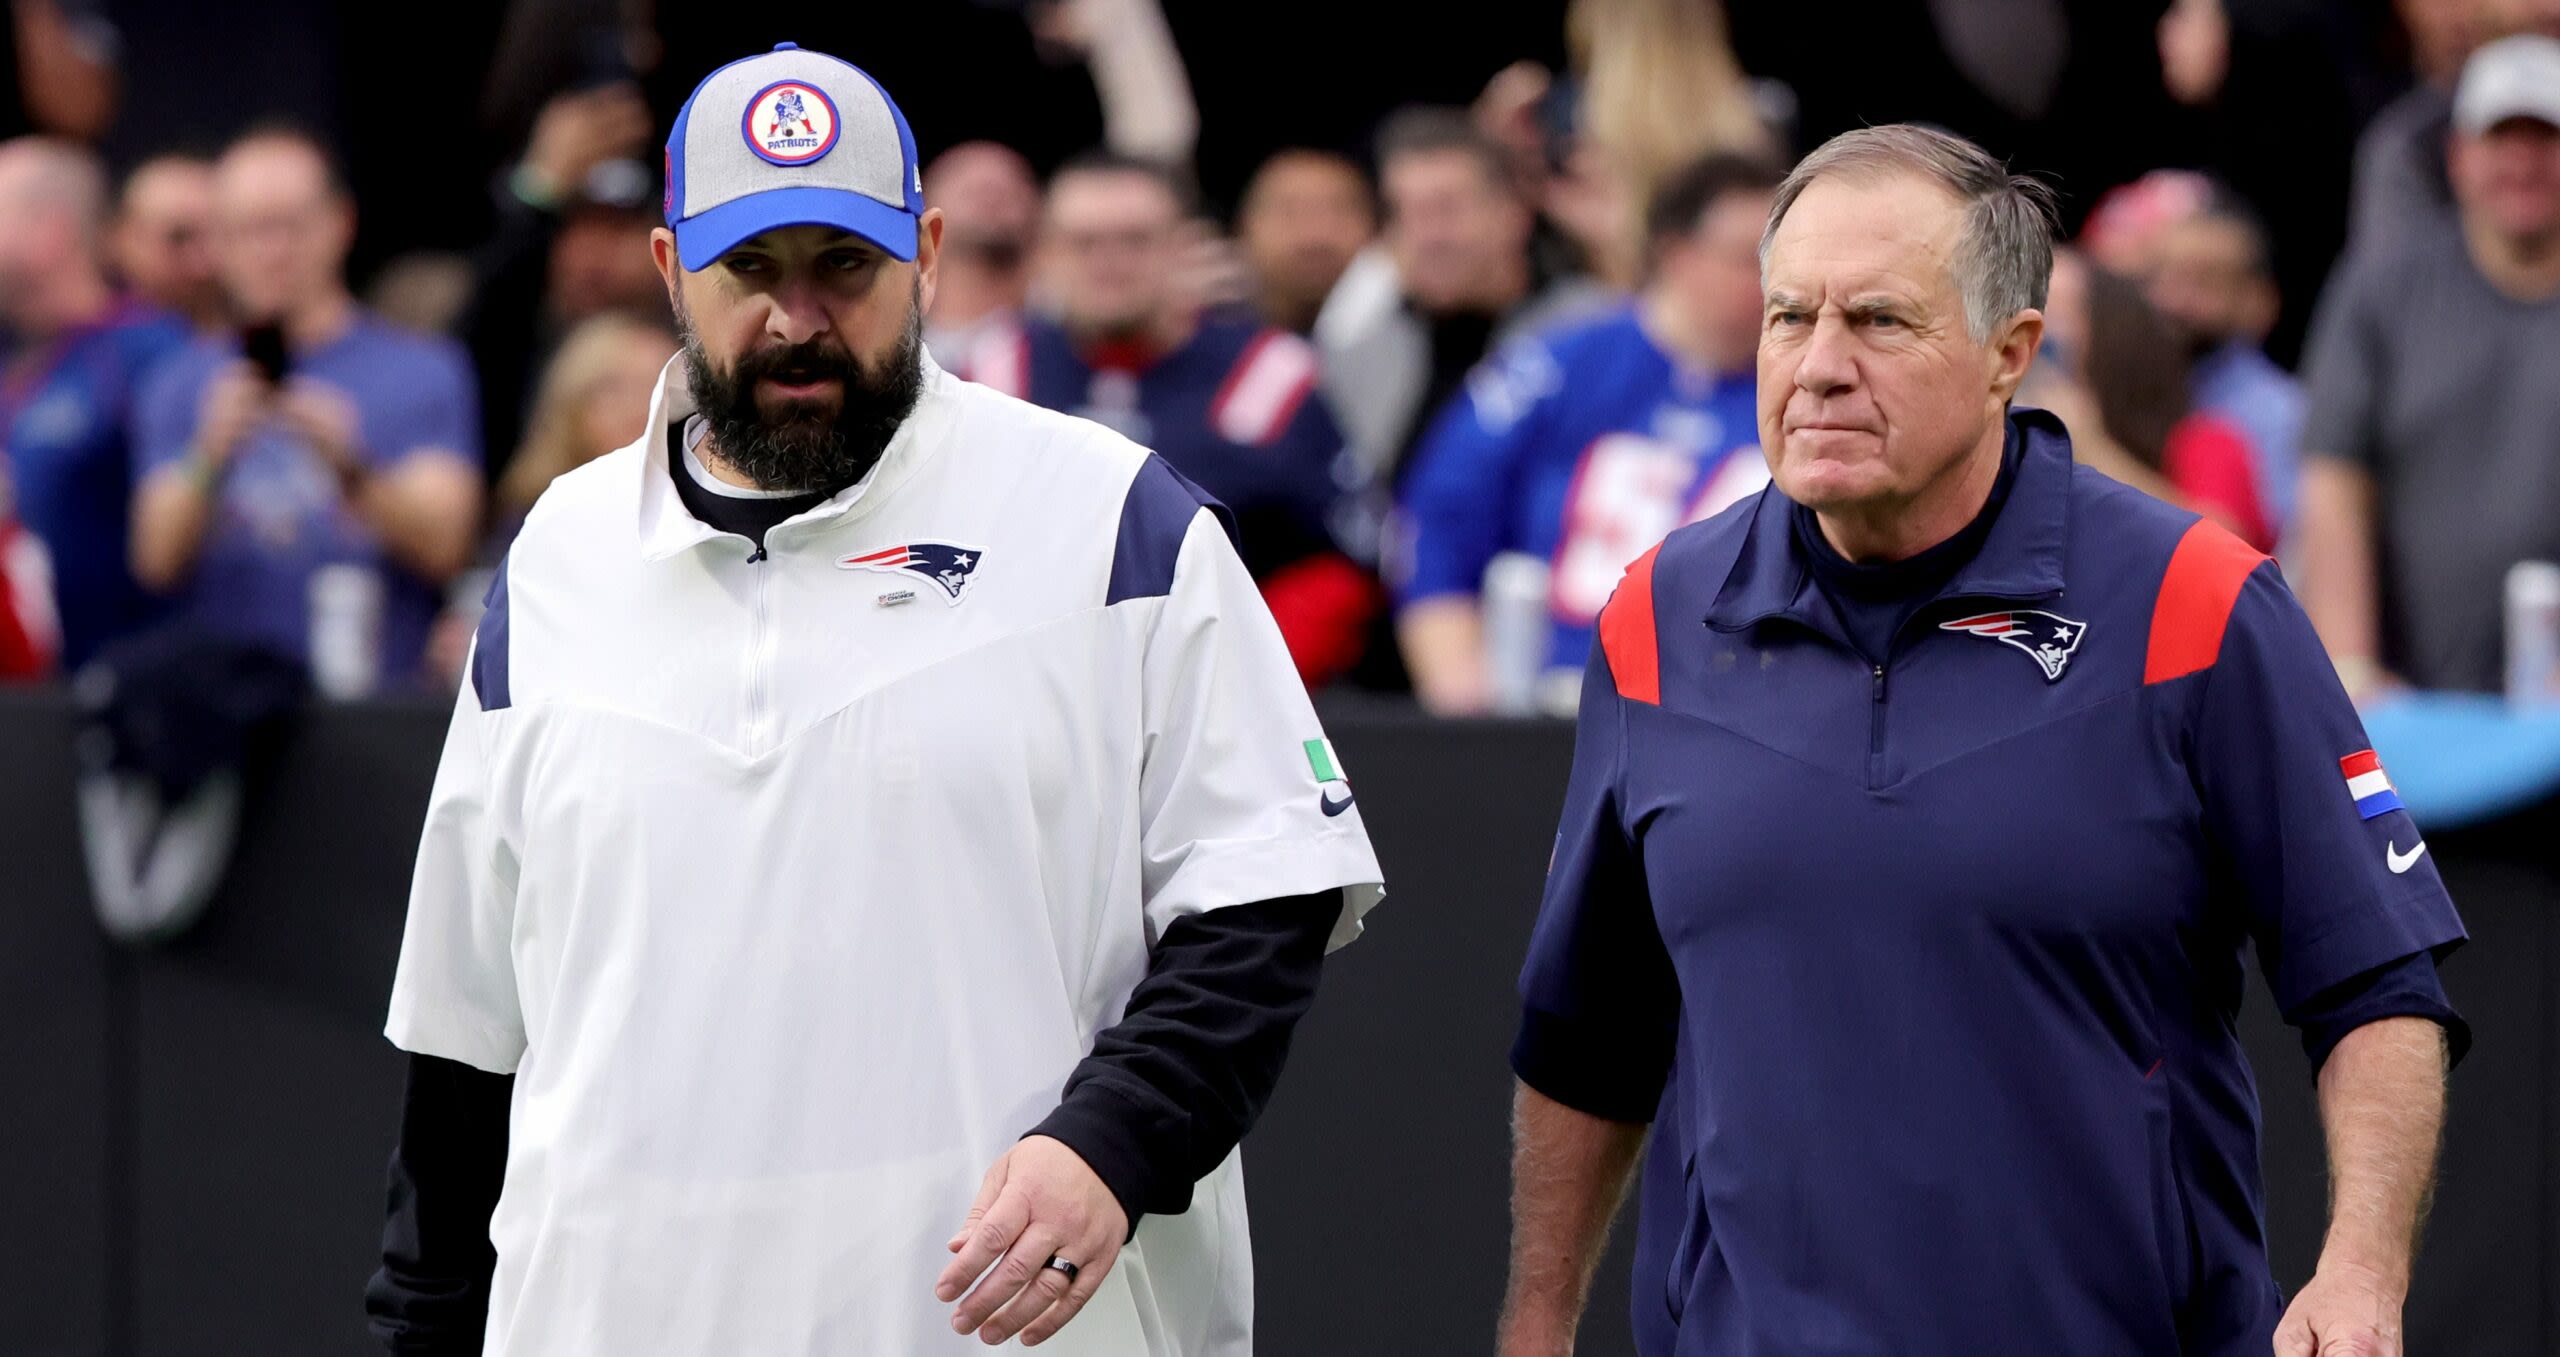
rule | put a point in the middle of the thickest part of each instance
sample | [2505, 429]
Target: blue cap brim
[705, 236]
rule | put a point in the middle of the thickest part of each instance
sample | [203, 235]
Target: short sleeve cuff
[1240, 872]
[1589, 1069]
[476, 1044]
[2383, 933]
[2406, 987]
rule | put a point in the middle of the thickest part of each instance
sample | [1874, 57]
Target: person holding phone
[80, 350]
[316, 436]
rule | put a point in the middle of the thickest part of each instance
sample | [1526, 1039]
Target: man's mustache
[807, 362]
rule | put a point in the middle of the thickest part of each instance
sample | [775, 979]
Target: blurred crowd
[1451, 379]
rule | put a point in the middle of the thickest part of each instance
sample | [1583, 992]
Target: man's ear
[2013, 351]
[662, 252]
[928, 256]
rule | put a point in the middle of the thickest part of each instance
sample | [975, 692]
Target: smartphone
[1559, 115]
[603, 58]
[263, 345]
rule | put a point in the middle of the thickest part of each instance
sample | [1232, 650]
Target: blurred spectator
[2209, 268]
[161, 244]
[1148, 112]
[572, 239]
[1455, 278]
[2433, 438]
[990, 205]
[1659, 87]
[27, 630]
[2114, 371]
[2401, 184]
[546, 47]
[81, 353]
[1306, 215]
[423, 290]
[1584, 445]
[594, 397]
[1230, 404]
[57, 68]
[362, 451]
[1654, 85]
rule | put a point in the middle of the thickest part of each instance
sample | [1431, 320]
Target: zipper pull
[758, 556]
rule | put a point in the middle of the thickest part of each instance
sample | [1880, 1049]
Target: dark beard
[801, 448]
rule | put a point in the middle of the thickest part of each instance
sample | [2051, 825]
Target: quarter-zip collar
[667, 529]
[2020, 559]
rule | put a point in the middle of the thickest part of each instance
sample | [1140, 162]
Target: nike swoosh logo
[1333, 807]
[2401, 862]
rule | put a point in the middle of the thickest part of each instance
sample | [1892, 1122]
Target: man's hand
[326, 419]
[576, 132]
[2344, 1312]
[1041, 1200]
[233, 402]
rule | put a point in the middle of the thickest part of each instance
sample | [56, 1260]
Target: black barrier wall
[192, 1139]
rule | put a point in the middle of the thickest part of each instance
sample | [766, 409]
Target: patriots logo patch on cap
[942, 563]
[790, 122]
[2047, 638]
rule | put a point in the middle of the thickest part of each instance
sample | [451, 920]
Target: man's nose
[797, 315]
[1828, 363]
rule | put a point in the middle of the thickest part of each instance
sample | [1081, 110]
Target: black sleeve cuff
[431, 1295]
[1602, 1071]
[1101, 1127]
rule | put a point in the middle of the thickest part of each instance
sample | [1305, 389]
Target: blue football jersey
[1235, 409]
[68, 437]
[1583, 445]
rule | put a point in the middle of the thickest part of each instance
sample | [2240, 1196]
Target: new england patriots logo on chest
[942, 564]
[2047, 638]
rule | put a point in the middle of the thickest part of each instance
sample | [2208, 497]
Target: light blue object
[2460, 758]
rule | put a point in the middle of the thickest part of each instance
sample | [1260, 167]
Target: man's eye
[1781, 319]
[743, 264]
[849, 262]
[1883, 321]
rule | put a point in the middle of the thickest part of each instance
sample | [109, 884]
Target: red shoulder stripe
[2196, 596]
[1627, 636]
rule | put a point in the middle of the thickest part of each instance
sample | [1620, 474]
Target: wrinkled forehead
[1851, 234]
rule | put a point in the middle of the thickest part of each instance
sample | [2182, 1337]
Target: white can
[1517, 630]
[346, 631]
[2533, 634]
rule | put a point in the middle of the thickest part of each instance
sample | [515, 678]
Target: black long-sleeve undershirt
[431, 1296]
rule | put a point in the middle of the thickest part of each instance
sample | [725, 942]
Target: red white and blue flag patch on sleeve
[2367, 784]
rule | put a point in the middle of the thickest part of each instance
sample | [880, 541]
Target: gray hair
[2005, 258]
